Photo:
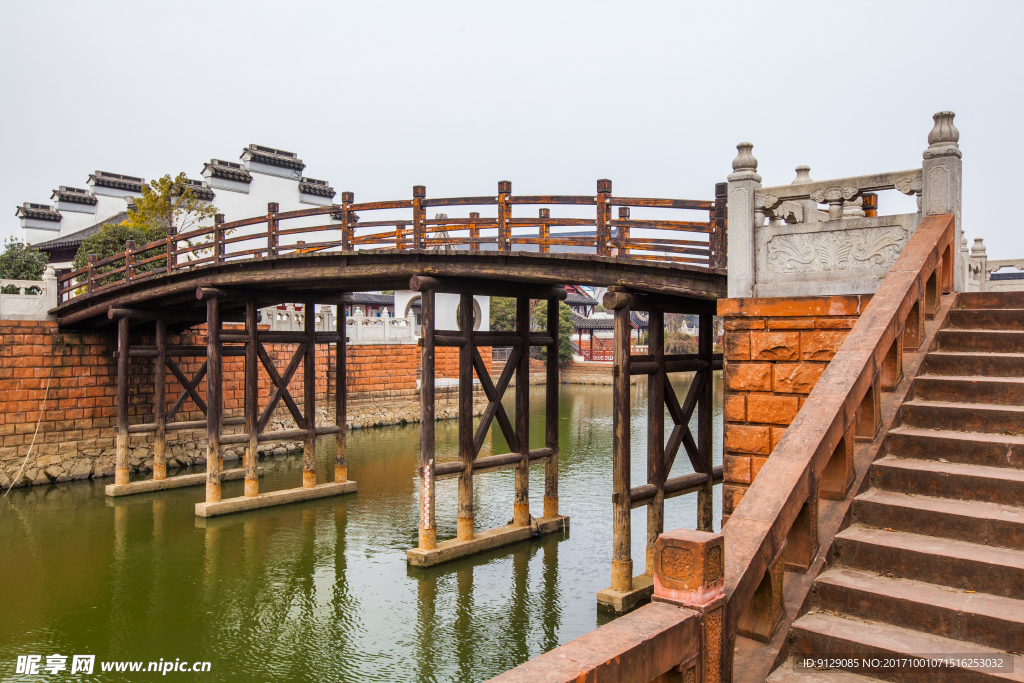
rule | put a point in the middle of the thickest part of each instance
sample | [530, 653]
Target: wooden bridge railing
[670, 241]
[733, 580]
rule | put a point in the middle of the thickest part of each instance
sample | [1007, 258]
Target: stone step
[990, 300]
[998, 341]
[1002, 485]
[994, 450]
[790, 673]
[967, 417]
[998, 390]
[954, 363]
[988, 620]
[941, 561]
[986, 319]
[974, 521]
[828, 635]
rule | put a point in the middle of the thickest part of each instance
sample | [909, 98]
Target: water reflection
[321, 590]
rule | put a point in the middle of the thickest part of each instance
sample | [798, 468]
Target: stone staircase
[933, 559]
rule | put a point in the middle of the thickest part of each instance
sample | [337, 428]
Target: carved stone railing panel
[838, 194]
[28, 299]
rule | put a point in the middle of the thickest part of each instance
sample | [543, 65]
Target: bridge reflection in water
[321, 590]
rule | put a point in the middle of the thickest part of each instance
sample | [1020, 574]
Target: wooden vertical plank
[604, 190]
[427, 529]
[623, 240]
[521, 512]
[341, 399]
[544, 231]
[656, 470]
[466, 450]
[160, 402]
[214, 402]
[474, 232]
[419, 215]
[252, 480]
[720, 258]
[272, 237]
[622, 563]
[504, 212]
[309, 398]
[346, 220]
[705, 428]
[551, 414]
[121, 456]
[218, 238]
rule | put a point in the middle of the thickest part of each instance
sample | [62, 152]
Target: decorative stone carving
[978, 250]
[838, 250]
[909, 187]
[943, 138]
[803, 175]
[744, 166]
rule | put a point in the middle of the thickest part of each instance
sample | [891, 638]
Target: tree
[503, 314]
[565, 329]
[167, 203]
[20, 262]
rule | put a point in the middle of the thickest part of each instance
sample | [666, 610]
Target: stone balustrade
[28, 299]
[983, 275]
[362, 329]
[783, 244]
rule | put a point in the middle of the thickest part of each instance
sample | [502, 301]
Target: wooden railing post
[474, 231]
[272, 209]
[419, 216]
[623, 232]
[504, 213]
[399, 236]
[604, 190]
[689, 572]
[172, 250]
[544, 231]
[92, 258]
[129, 245]
[218, 238]
[719, 255]
[346, 220]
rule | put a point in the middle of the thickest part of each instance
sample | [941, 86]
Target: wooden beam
[614, 300]
[482, 287]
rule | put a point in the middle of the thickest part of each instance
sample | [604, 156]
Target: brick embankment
[775, 351]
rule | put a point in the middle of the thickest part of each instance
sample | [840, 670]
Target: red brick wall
[775, 351]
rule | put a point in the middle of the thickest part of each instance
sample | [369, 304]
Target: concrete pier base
[150, 485]
[274, 498]
[482, 541]
[621, 602]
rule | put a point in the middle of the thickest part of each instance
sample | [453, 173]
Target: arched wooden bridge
[226, 272]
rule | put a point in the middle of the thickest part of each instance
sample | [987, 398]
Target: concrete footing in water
[150, 485]
[619, 602]
[274, 498]
[484, 540]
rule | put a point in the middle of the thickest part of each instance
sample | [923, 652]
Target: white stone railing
[980, 271]
[32, 299]
[782, 243]
[362, 329]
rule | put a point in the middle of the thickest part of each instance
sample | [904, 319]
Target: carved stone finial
[963, 244]
[978, 250]
[803, 175]
[943, 138]
[744, 166]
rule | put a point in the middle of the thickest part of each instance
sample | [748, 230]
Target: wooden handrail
[757, 529]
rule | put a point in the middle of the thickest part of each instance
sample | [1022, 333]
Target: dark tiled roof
[273, 157]
[581, 323]
[228, 170]
[574, 299]
[117, 181]
[76, 238]
[317, 187]
[372, 299]
[41, 212]
[199, 190]
[639, 320]
[73, 195]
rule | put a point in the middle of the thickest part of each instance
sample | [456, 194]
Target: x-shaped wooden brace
[189, 388]
[494, 396]
[281, 386]
[681, 415]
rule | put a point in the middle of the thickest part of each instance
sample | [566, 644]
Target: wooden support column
[309, 400]
[466, 450]
[252, 409]
[160, 402]
[705, 421]
[214, 402]
[341, 400]
[521, 516]
[504, 213]
[121, 457]
[622, 564]
[551, 414]
[427, 529]
[656, 466]
[604, 190]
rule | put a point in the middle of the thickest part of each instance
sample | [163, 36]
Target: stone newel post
[979, 256]
[941, 173]
[743, 183]
[689, 572]
[50, 288]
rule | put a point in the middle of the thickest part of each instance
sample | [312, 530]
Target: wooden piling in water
[705, 423]
[427, 528]
[309, 398]
[466, 450]
[521, 513]
[341, 399]
[656, 470]
[551, 414]
[121, 456]
[252, 481]
[622, 564]
[160, 402]
[214, 403]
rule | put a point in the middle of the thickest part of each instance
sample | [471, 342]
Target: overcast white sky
[378, 96]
